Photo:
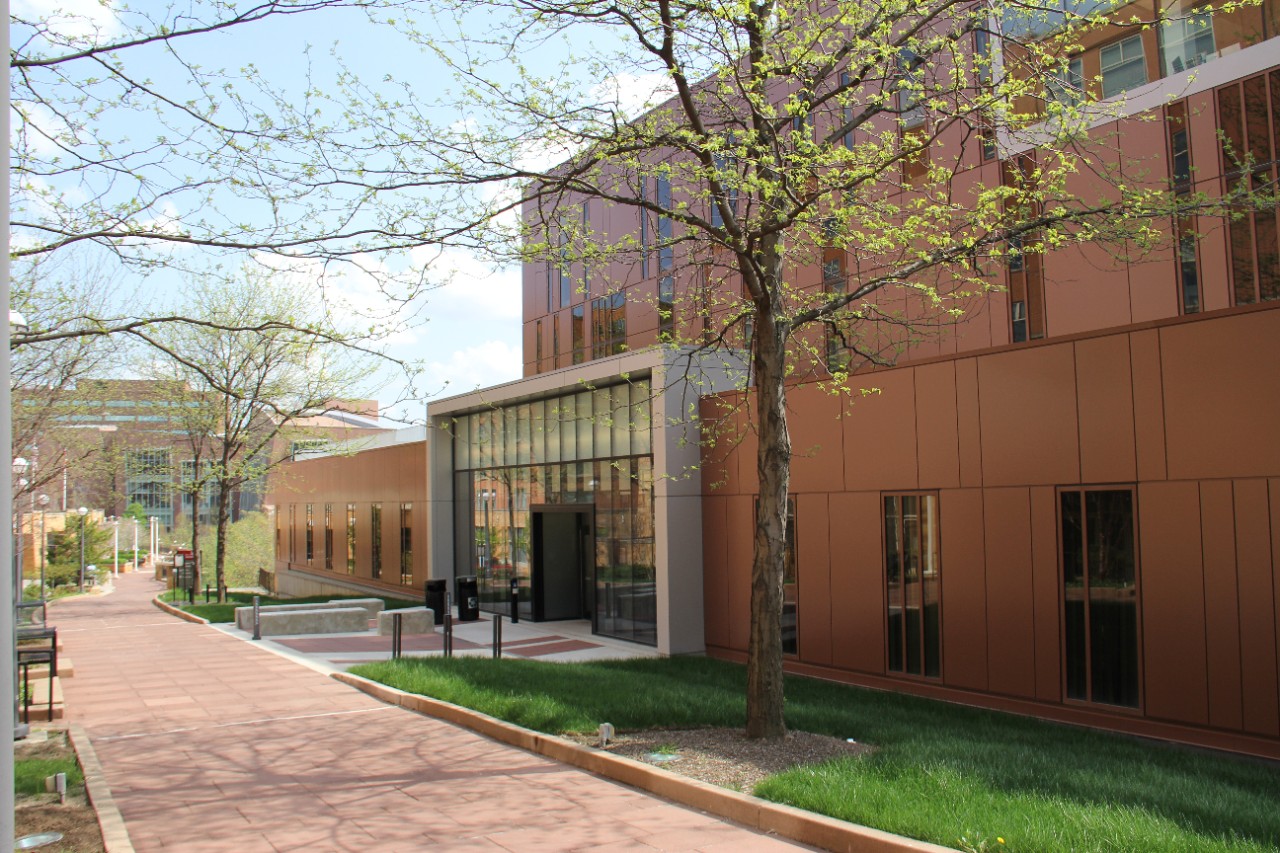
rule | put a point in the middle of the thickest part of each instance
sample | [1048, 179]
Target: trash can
[435, 599]
[468, 595]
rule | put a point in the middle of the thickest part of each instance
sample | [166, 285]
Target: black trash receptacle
[435, 598]
[467, 591]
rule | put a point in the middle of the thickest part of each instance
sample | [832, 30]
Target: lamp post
[485, 496]
[82, 512]
[43, 502]
[135, 544]
[19, 468]
[115, 568]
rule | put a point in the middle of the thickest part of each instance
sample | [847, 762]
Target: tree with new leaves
[248, 389]
[780, 138]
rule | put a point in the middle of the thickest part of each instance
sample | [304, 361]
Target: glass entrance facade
[590, 448]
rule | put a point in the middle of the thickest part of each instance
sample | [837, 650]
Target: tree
[249, 388]
[839, 136]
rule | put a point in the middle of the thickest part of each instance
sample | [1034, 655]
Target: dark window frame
[903, 667]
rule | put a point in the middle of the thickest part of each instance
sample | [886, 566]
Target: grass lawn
[227, 612]
[29, 773]
[956, 776]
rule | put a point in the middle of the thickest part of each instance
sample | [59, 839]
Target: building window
[1025, 269]
[913, 584]
[149, 482]
[537, 347]
[644, 229]
[846, 112]
[1185, 230]
[406, 544]
[1187, 41]
[310, 541]
[1066, 86]
[555, 342]
[1100, 596]
[293, 533]
[1246, 115]
[608, 325]
[1018, 311]
[328, 536]
[351, 539]
[375, 540]
[791, 587]
[724, 167]
[566, 279]
[577, 322]
[1124, 66]
[982, 56]
[666, 306]
[666, 253]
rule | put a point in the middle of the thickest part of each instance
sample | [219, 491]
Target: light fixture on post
[82, 512]
[115, 567]
[43, 503]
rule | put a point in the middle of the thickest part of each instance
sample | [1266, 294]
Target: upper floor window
[1247, 113]
[1066, 86]
[1124, 66]
[1187, 41]
[608, 325]
[577, 322]
[666, 254]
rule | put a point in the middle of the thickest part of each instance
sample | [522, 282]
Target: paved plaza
[212, 743]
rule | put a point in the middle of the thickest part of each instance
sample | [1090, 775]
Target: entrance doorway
[563, 563]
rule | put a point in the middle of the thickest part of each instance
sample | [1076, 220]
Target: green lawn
[29, 773]
[227, 612]
[941, 772]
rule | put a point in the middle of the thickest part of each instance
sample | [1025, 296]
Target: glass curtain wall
[590, 448]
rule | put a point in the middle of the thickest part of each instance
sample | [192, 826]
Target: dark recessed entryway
[562, 563]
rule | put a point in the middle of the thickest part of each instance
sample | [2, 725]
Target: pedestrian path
[210, 743]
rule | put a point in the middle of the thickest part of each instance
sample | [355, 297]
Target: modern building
[1064, 504]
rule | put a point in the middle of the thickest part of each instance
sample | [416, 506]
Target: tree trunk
[764, 649]
[220, 552]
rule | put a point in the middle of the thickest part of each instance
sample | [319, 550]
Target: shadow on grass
[941, 772]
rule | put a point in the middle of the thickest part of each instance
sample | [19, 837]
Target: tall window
[1123, 66]
[328, 536]
[1026, 270]
[406, 544]
[608, 325]
[537, 347]
[578, 322]
[555, 342]
[1067, 85]
[351, 539]
[566, 279]
[846, 113]
[644, 229]
[791, 587]
[1185, 231]
[293, 533]
[375, 540]
[913, 584]
[149, 481]
[1100, 596]
[666, 260]
[1247, 112]
[1187, 41]
[310, 542]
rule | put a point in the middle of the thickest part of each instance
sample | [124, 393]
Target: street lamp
[43, 502]
[82, 512]
[115, 569]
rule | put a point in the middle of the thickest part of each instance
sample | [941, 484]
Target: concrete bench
[371, 606]
[329, 620]
[413, 620]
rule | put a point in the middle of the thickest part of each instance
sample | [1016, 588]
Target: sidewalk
[210, 743]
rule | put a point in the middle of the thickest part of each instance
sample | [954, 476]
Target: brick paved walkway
[211, 744]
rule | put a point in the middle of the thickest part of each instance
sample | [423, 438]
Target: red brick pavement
[210, 743]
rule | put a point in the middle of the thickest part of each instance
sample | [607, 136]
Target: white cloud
[76, 21]
[634, 94]
[478, 366]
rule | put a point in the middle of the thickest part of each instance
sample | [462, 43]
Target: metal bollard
[515, 600]
[397, 636]
[206, 593]
[448, 634]
[497, 635]
[257, 624]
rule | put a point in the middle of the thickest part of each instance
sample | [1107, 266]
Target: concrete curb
[179, 612]
[115, 836]
[784, 821]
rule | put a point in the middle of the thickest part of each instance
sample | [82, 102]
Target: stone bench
[371, 606]
[329, 620]
[413, 620]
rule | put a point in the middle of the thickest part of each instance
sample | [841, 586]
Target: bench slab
[372, 607]
[413, 620]
[331, 620]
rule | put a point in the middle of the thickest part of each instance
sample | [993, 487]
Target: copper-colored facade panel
[1222, 422]
[878, 452]
[937, 425]
[1257, 520]
[813, 613]
[817, 436]
[1148, 404]
[1046, 592]
[1221, 604]
[740, 515]
[968, 423]
[1172, 588]
[1028, 416]
[715, 576]
[964, 605]
[1011, 659]
[1107, 451]
[857, 582]
[718, 450]
[1152, 283]
[1085, 288]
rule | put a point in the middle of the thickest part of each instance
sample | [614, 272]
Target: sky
[466, 332]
